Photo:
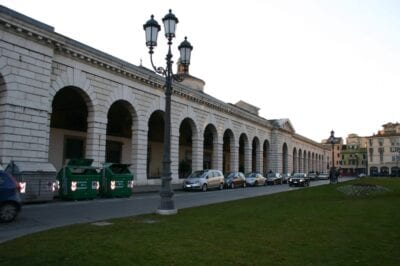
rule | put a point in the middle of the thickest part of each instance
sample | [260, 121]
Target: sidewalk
[153, 188]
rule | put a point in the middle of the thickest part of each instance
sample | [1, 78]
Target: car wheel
[8, 212]
[221, 186]
[232, 185]
[204, 188]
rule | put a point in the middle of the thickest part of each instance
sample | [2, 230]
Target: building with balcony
[384, 151]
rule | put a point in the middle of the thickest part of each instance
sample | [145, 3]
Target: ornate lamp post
[332, 140]
[167, 205]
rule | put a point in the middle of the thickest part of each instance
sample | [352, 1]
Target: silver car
[274, 178]
[204, 179]
[255, 179]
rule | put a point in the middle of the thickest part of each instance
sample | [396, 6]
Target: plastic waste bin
[78, 179]
[116, 180]
[37, 180]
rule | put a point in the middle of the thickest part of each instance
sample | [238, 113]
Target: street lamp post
[167, 205]
[332, 140]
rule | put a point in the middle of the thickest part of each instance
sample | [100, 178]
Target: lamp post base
[167, 212]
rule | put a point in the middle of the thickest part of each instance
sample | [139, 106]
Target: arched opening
[210, 138]
[228, 147]
[305, 170]
[300, 161]
[384, 171]
[68, 126]
[285, 159]
[373, 171]
[266, 154]
[395, 171]
[155, 145]
[295, 160]
[119, 132]
[255, 155]
[243, 144]
[186, 147]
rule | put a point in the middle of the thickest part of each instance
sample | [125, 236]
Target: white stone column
[218, 155]
[259, 158]
[234, 158]
[139, 155]
[96, 141]
[197, 154]
[175, 157]
[247, 159]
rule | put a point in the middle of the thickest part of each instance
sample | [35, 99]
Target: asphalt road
[44, 216]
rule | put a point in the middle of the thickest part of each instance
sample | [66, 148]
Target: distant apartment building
[384, 151]
[353, 156]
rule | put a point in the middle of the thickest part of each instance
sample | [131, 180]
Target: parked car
[299, 179]
[203, 180]
[312, 175]
[362, 175]
[255, 179]
[10, 201]
[235, 179]
[274, 178]
[285, 177]
[323, 176]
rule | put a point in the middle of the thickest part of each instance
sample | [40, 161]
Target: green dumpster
[78, 179]
[116, 180]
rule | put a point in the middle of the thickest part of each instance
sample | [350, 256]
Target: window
[74, 148]
[381, 142]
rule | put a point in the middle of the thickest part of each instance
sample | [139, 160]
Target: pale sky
[324, 64]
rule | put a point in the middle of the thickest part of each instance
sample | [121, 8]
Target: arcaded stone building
[61, 99]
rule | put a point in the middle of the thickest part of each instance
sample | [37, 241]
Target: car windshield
[196, 174]
[251, 175]
[271, 175]
[231, 175]
[298, 175]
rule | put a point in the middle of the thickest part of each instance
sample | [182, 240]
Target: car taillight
[22, 187]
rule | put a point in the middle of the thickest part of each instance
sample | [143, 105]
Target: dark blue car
[10, 202]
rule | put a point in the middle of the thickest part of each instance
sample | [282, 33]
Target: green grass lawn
[313, 226]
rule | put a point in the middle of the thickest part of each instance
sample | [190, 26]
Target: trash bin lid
[80, 162]
[20, 167]
[118, 168]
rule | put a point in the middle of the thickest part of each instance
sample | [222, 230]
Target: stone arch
[155, 144]
[285, 158]
[295, 160]
[187, 149]
[229, 151]
[300, 161]
[122, 123]
[75, 78]
[186, 113]
[210, 146]
[266, 156]
[255, 156]
[70, 126]
[157, 105]
[244, 153]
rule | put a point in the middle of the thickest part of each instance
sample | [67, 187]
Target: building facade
[354, 159]
[61, 99]
[384, 151]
